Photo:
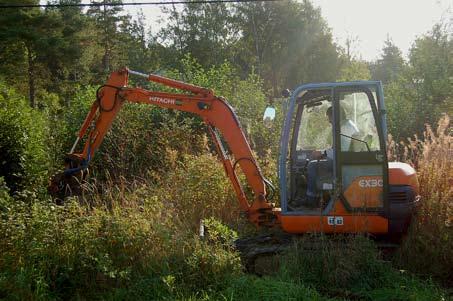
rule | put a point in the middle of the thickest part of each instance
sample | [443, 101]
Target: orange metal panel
[365, 192]
[373, 224]
[402, 174]
[350, 222]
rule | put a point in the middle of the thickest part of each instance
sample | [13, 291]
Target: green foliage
[162, 136]
[339, 263]
[255, 38]
[210, 267]
[155, 178]
[354, 70]
[138, 243]
[199, 188]
[219, 233]
[267, 288]
[246, 96]
[205, 30]
[351, 267]
[106, 21]
[23, 159]
[286, 42]
[402, 111]
[432, 64]
[390, 66]
[421, 91]
[40, 49]
[5, 197]
[69, 252]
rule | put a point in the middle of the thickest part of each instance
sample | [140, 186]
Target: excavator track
[258, 253]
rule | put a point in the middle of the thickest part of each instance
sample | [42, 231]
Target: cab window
[358, 131]
[315, 131]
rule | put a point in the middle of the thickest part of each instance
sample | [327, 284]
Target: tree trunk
[31, 76]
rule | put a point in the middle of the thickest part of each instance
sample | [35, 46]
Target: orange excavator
[333, 169]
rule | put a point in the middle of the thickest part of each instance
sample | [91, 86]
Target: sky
[370, 22]
[367, 22]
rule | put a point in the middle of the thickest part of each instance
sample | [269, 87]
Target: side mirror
[286, 93]
[269, 116]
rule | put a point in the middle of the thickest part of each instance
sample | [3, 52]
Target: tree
[44, 45]
[351, 66]
[25, 34]
[204, 30]
[431, 60]
[423, 90]
[354, 70]
[23, 149]
[391, 64]
[142, 51]
[107, 20]
[286, 42]
[66, 60]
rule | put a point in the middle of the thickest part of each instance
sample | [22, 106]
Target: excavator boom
[220, 119]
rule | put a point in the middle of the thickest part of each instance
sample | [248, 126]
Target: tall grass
[351, 267]
[428, 248]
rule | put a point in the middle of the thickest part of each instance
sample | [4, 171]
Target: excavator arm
[218, 115]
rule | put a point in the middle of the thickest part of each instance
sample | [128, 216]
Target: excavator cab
[333, 161]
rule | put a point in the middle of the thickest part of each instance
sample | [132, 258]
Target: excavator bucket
[68, 182]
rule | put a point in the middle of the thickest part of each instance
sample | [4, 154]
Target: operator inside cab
[348, 129]
[322, 161]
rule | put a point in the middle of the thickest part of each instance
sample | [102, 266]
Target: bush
[23, 151]
[132, 236]
[199, 188]
[68, 252]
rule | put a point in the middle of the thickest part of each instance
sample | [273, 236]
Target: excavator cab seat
[319, 179]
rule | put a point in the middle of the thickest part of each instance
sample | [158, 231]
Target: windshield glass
[315, 131]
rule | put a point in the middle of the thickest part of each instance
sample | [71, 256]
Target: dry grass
[428, 247]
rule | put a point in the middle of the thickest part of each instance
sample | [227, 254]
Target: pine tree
[391, 64]
[107, 20]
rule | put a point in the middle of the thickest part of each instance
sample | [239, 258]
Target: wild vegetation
[132, 235]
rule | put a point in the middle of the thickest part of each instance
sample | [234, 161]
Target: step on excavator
[334, 175]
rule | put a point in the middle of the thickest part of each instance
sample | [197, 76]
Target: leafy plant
[23, 150]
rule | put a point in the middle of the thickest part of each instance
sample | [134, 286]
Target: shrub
[71, 252]
[131, 233]
[199, 188]
[23, 151]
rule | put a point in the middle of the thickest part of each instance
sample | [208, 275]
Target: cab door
[360, 156]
